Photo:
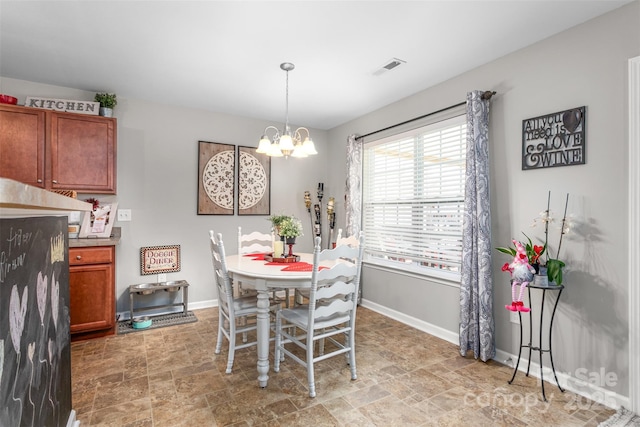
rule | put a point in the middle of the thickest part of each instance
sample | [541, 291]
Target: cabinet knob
[78, 257]
[54, 181]
[39, 181]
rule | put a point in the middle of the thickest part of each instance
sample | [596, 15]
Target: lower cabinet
[92, 291]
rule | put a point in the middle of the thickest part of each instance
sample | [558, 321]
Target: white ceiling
[224, 55]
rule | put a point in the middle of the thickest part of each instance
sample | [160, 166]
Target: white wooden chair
[257, 243]
[301, 295]
[230, 307]
[330, 314]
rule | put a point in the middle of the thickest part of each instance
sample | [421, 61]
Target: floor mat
[623, 417]
[124, 326]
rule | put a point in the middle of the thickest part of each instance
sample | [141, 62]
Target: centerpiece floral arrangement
[286, 226]
[290, 227]
[552, 266]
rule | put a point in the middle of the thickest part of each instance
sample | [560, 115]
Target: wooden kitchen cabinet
[22, 144]
[58, 151]
[92, 291]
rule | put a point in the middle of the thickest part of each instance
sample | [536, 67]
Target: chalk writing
[57, 248]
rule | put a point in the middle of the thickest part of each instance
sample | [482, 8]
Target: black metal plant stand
[539, 349]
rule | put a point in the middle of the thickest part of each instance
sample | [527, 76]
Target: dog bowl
[8, 99]
[141, 322]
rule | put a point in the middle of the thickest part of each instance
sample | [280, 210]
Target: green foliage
[554, 270]
[290, 227]
[276, 220]
[107, 100]
[533, 251]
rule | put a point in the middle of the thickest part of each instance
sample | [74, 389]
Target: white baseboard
[567, 382]
[421, 325]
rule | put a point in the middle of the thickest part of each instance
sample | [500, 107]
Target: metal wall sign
[159, 259]
[556, 139]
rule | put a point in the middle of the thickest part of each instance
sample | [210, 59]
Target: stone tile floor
[171, 377]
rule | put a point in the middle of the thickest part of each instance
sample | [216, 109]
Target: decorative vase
[106, 112]
[290, 242]
[540, 278]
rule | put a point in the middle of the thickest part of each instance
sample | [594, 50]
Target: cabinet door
[22, 139]
[92, 299]
[83, 153]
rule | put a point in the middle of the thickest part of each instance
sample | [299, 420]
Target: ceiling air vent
[388, 66]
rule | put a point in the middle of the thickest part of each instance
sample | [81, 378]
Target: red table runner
[295, 266]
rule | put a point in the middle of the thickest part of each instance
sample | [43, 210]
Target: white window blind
[413, 197]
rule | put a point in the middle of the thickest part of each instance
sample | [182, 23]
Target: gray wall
[158, 181]
[586, 65]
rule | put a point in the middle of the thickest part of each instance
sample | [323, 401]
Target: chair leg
[220, 334]
[310, 373]
[352, 354]
[277, 356]
[243, 322]
[232, 348]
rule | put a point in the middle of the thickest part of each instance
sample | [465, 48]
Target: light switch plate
[514, 318]
[162, 277]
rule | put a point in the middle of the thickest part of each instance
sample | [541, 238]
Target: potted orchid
[550, 267]
[554, 266]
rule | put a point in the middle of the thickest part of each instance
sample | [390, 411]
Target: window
[413, 199]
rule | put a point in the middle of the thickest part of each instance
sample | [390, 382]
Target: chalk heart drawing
[55, 299]
[17, 312]
[31, 349]
[41, 290]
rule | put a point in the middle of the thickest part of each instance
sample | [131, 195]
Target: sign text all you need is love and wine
[556, 139]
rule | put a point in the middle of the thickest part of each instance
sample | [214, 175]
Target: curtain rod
[486, 96]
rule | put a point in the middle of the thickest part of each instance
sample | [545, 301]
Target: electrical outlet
[124, 214]
[162, 277]
[514, 317]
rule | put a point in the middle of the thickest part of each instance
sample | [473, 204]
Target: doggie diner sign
[556, 139]
[159, 259]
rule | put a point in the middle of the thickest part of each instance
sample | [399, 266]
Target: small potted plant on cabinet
[107, 102]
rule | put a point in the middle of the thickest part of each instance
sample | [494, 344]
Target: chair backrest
[338, 285]
[351, 240]
[254, 242]
[223, 282]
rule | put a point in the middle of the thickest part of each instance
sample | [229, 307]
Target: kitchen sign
[66, 105]
[556, 139]
[159, 259]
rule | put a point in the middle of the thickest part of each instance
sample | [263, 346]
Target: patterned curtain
[353, 202]
[476, 289]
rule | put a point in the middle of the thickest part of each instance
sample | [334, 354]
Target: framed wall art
[99, 222]
[216, 172]
[254, 182]
[557, 139]
[159, 259]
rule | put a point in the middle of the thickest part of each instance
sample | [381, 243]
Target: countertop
[19, 199]
[88, 242]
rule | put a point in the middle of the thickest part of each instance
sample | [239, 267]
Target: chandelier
[286, 143]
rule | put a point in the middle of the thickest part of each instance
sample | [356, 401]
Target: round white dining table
[263, 278]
